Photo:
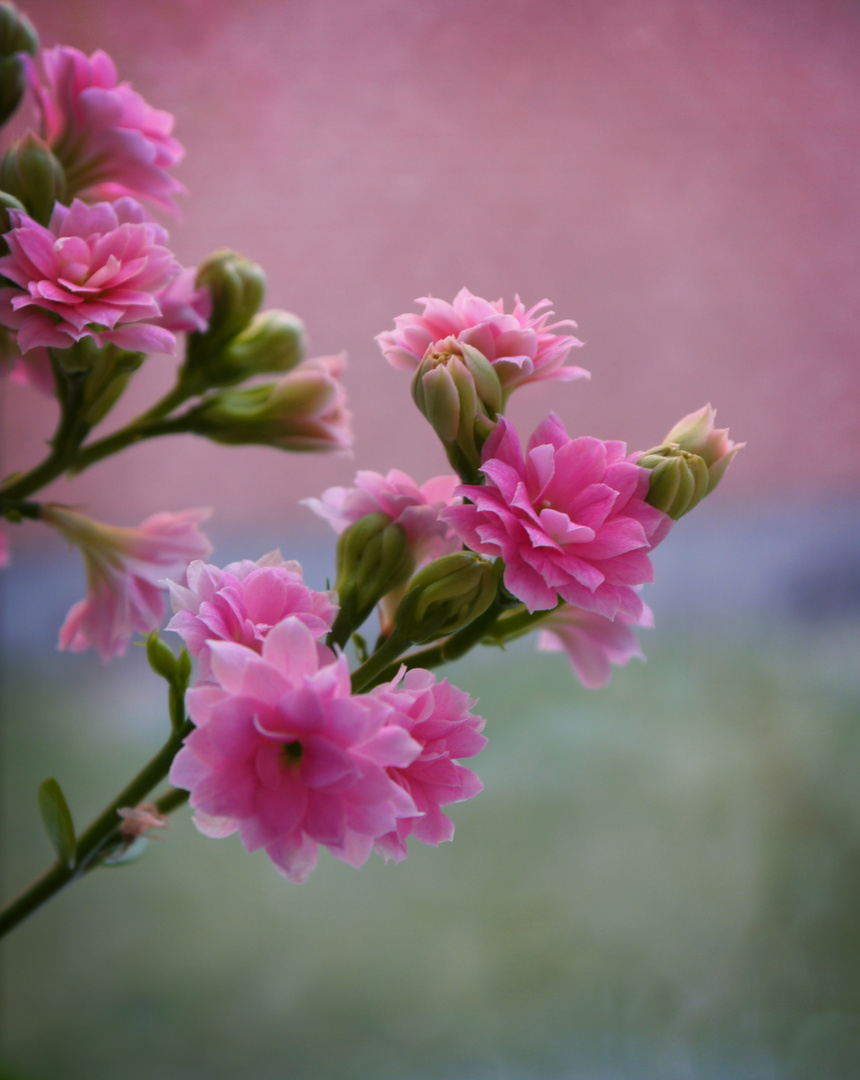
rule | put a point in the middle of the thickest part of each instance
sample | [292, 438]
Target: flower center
[291, 752]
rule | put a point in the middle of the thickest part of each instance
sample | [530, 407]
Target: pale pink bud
[139, 820]
[697, 435]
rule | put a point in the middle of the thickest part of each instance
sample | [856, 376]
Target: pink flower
[5, 557]
[185, 309]
[414, 508]
[242, 603]
[109, 141]
[96, 271]
[34, 369]
[286, 755]
[126, 569]
[569, 519]
[592, 642]
[437, 716]
[520, 345]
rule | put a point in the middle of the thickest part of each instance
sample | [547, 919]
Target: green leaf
[57, 819]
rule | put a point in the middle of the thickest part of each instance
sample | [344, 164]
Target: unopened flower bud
[373, 558]
[273, 341]
[7, 202]
[459, 392]
[108, 378]
[30, 172]
[237, 286]
[302, 411]
[445, 596]
[16, 36]
[697, 435]
[678, 481]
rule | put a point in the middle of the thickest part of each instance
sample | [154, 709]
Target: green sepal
[57, 819]
[183, 671]
[161, 658]
[127, 852]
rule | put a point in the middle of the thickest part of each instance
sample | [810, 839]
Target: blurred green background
[660, 880]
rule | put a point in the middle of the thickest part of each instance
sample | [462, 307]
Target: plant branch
[100, 832]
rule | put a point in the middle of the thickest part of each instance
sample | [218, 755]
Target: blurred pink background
[679, 176]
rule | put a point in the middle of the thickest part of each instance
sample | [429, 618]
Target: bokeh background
[661, 879]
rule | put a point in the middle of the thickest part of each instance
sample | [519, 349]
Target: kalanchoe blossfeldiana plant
[277, 739]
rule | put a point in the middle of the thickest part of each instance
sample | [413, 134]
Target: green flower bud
[109, 371]
[373, 558]
[16, 36]
[272, 341]
[237, 286]
[302, 411]
[459, 392]
[161, 658]
[30, 172]
[445, 596]
[679, 479]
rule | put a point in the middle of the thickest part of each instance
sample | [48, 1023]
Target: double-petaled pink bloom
[416, 509]
[287, 756]
[126, 571]
[243, 602]
[568, 518]
[520, 345]
[95, 271]
[109, 141]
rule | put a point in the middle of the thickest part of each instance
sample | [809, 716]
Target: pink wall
[680, 176]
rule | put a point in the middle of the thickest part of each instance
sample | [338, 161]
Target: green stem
[133, 433]
[366, 676]
[451, 648]
[91, 842]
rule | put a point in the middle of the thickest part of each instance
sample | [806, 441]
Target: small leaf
[57, 819]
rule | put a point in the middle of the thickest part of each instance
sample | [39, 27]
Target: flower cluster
[277, 740]
[287, 756]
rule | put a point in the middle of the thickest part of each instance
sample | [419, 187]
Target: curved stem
[133, 433]
[93, 839]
